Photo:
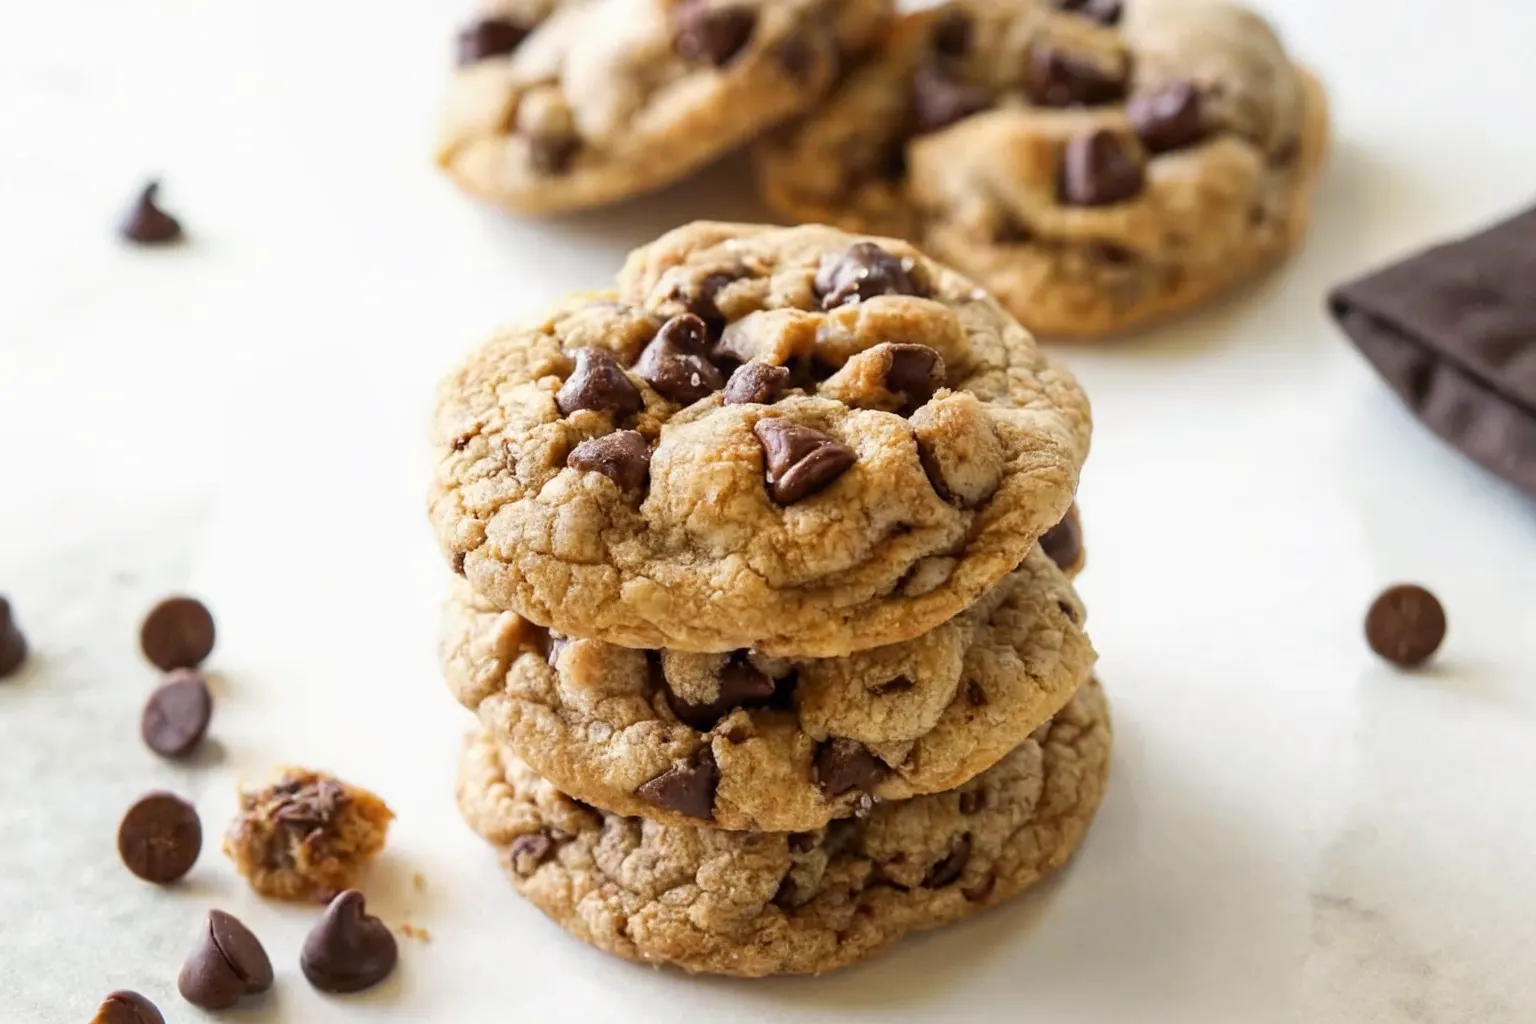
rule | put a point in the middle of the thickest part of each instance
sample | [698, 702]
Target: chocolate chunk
[1168, 119]
[939, 101]
[160, 837]
[1063, 543]
[489, 37]
[1405, 625]
[1105, 12]
[1056, 78]
[1099, 171]
[951, 33]
[843, 765]
[709, 33]
[527, 852]
[756, 383]
[177, 633]
[740, 684]
[951, 867]
[127, 1008]
[147, 224]
[227, 963]
[863, 272]
[177, 714]
[915, 373]
[13, 645]
[801, 460]
[623, 457]
[674, 362]
[349, 949]
[598, 384]
[687, 788]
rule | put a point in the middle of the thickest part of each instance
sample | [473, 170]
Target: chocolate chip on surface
[951, 867]
[13, 645]
[227, 963]
[1105, 12]
[127, 1008]
[674, 362]
[740, 683]
[756, 383]
[1406, 625]
[1063, 543]
[489, 37]
[687, 788]
[176, 716]
[160, 838]
[711, 33]
[527, 852]
[801, 460]
[1168, 119]
[939, 101]
[177, 633]
[1056, 78]
[915, 373]
[843, 765]
[349, 949]
[951, 33]
[623, 457]
[146, 224]
[863, 272]
[1097, 170]
[597, 383]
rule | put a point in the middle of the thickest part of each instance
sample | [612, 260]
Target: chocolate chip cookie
[787, 439]
[1095, 164]
[754, 904]
[559, 106]
[747, 741]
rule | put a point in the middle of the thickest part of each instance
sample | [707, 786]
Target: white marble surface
[1294, 833]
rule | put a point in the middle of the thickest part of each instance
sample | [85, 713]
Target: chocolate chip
[972, 800]
[797, 57]
[127, 1008]
[623, 457]
[951, 867]
[863, 272]
[700, 301]
[915, 373]
[740, 684]
[177, 633]
[802, 842]
[598, 384]
[527, 852]
[975, 694]
[1406, 625]
[756, 383]
[147, 224]
[227, 963]
[349, 949]
[951, 33]
[939, 100]
[490, 37]
[1105, 12]
[842, 765]
[1098, 171]
[1063, 543]
[674, 362]
[710, 33]
[788, 894]
[552, 154]
[160, 837]
[687, 788]
[801, 460]
[177, 714]
[1056, 78]
[458, 563]
[13, 645]
[1168, 119]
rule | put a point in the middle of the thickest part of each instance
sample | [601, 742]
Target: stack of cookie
[764, 605]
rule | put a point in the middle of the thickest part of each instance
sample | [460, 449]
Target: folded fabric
[1453, 331]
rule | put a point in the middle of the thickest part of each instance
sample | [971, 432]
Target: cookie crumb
[410, 931]
[419, 882]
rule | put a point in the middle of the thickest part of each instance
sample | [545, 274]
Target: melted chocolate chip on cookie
[489, 37]
[1056, 78]
[939, 101]
[687, 788]
[599, 384]
[801, 460]
[1105, 12]
[1099, 170]
[1168, 119]
[863, 272]
[709, 33]
[623, 457]
[843, 765]
[674, 362]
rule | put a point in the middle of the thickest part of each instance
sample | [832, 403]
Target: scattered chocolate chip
[740, 684]
[176, 716]
[950, 35]
[527, 852]
[863, 272]
[349, 949]
[842, 765]
[951, 867]
[939, 100]
[1406, 625]
[802, 842]
[1098, 171]
[915, 373]
[687, 788]
[127, 1008]
[177, 633]
[147, 224]
[756, 383]
[1063, 543]
[552, 154]
[981, 890]
[674, 362]
[623, 457]
[801, 460]
[227, 963]
[489, 37]
[160, 837]
[599, 384]
[972, 800]
[1168, 119]
[13, 645]
[710, 33]
[1105, 12]
[1056, 78]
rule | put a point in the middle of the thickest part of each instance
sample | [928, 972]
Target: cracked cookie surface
[745, 741]
[1095, 164]
[787, 439]
[563, 105]
[760, 903]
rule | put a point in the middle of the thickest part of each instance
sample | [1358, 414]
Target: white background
[1294, 832]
